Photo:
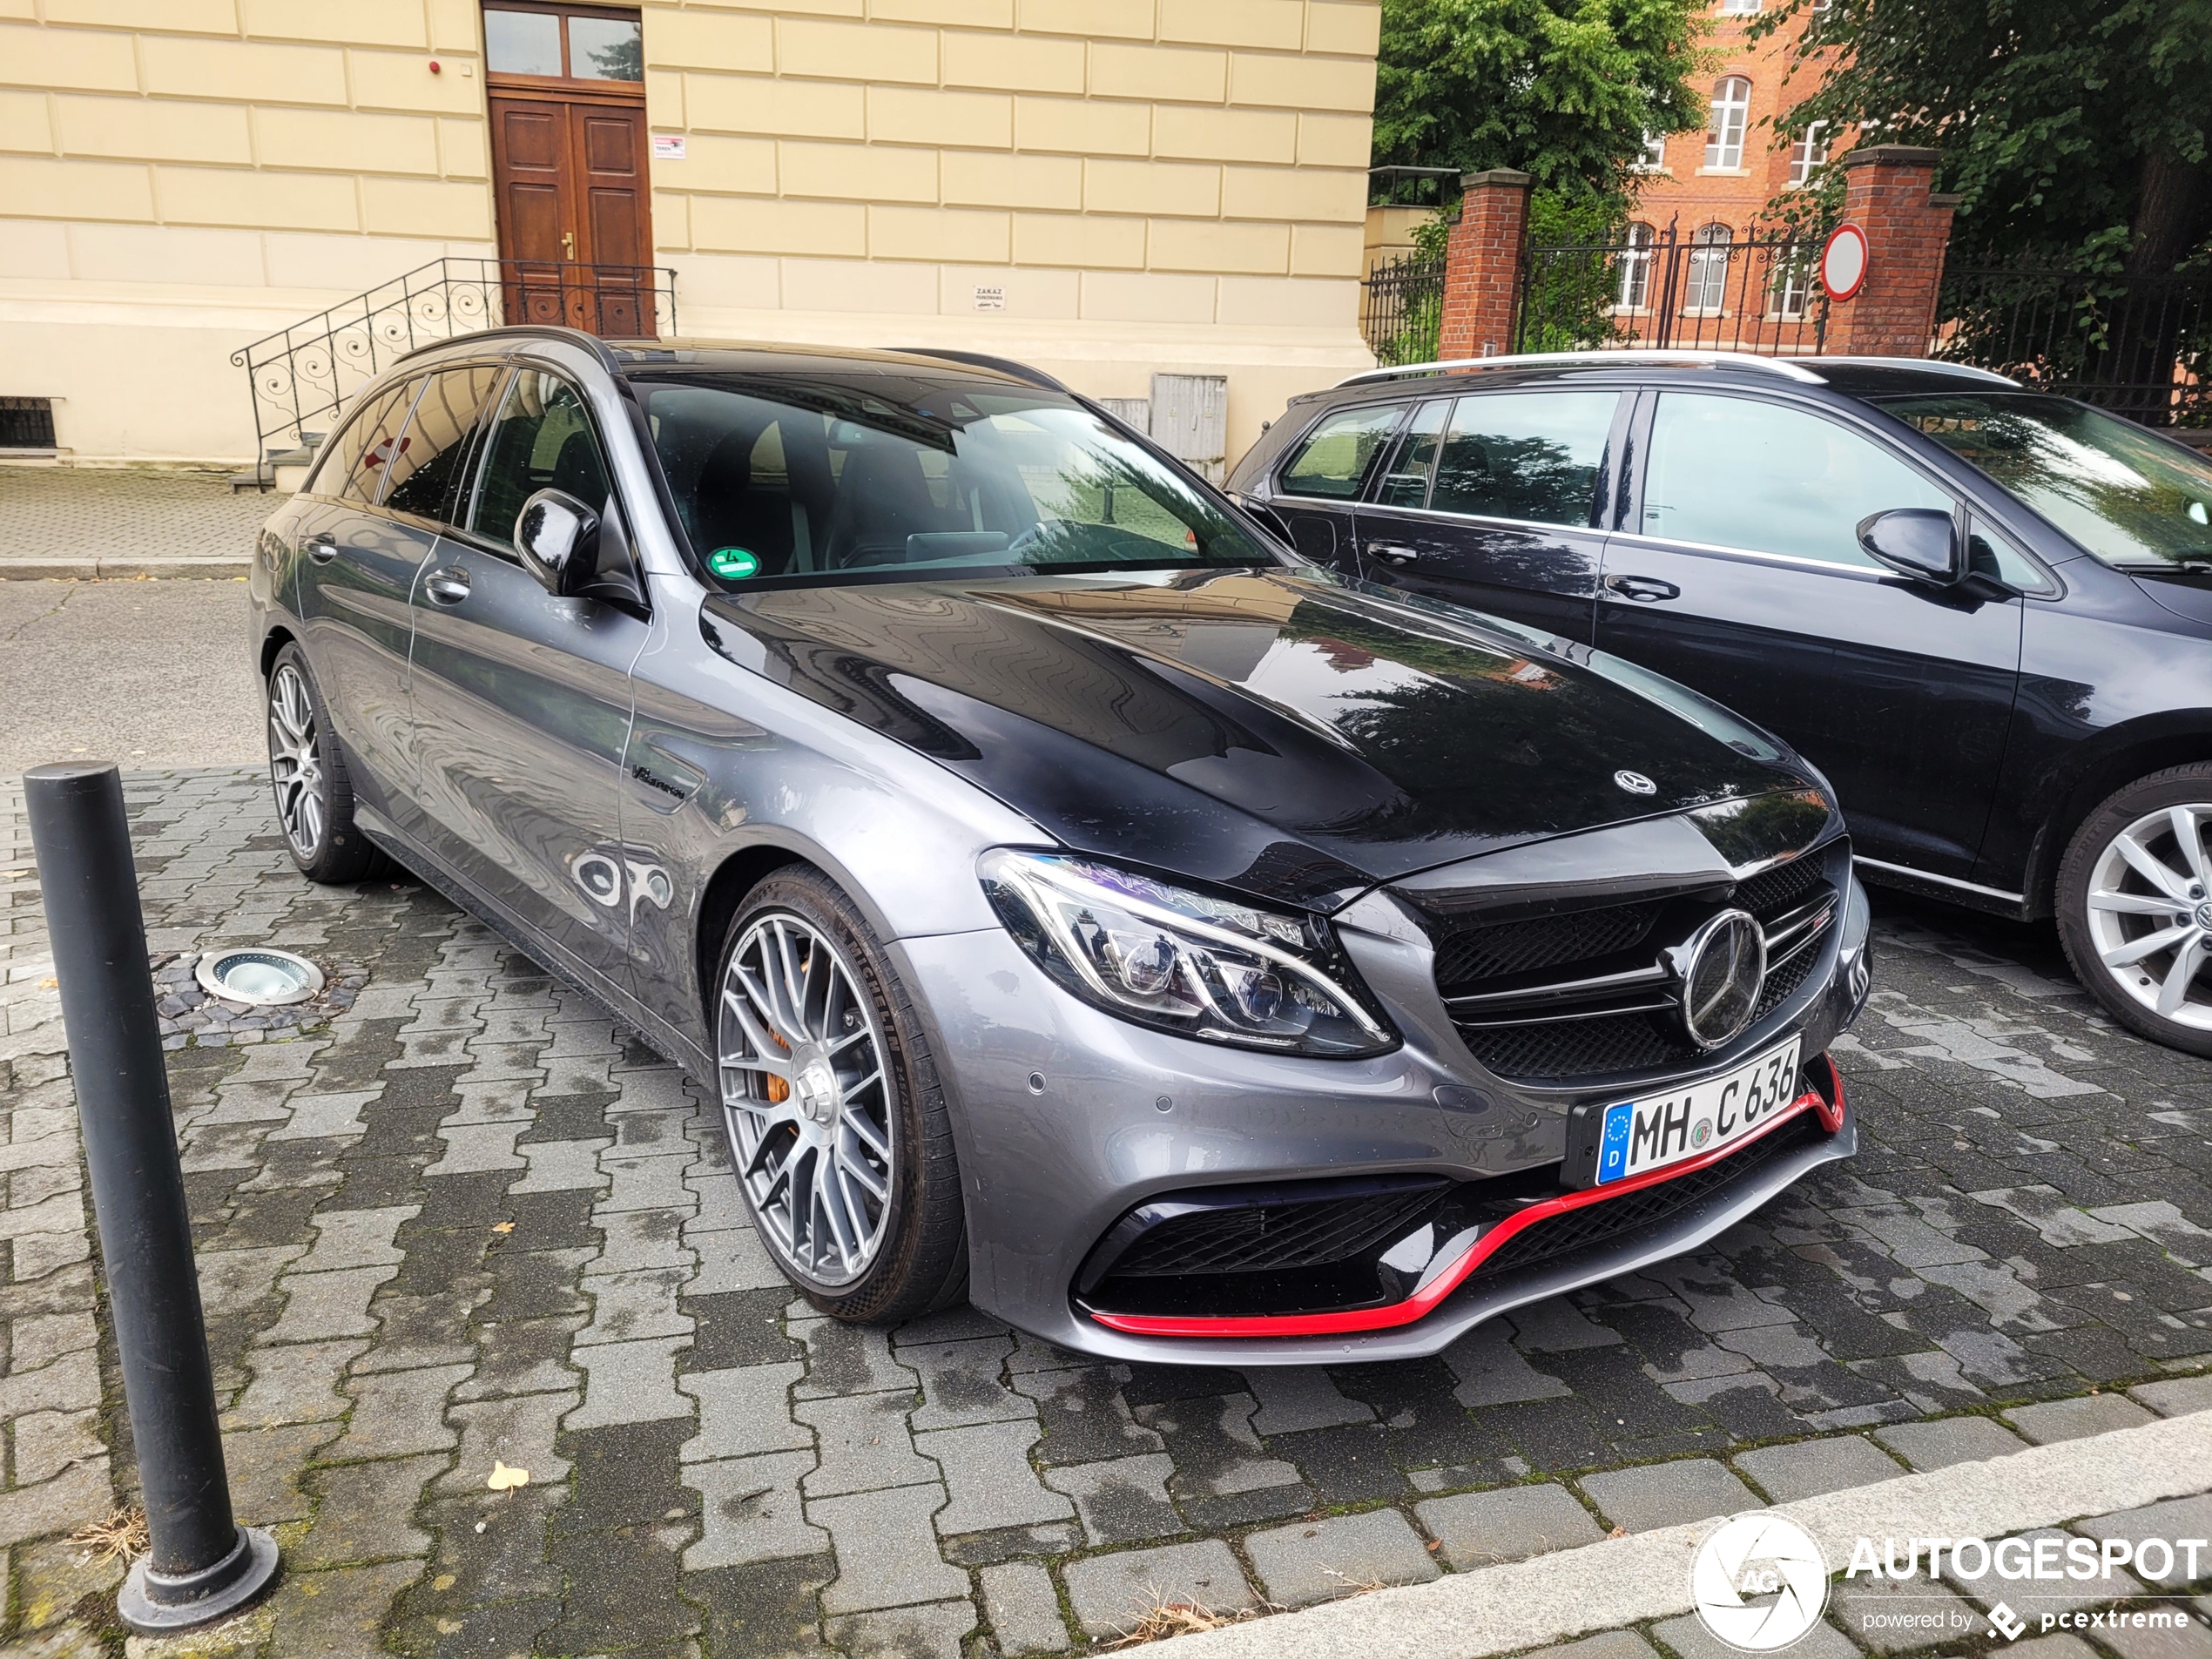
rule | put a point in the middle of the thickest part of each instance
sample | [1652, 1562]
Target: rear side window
[433, 449]
[542, 440]
[1413, 458]
[1333, 459]
[353, 464]
[1734, 472]
[1531, 455]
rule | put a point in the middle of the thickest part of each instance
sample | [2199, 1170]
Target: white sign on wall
[668, 146]
[990, 296]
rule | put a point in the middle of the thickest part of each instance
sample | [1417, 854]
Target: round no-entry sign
[1843, 262]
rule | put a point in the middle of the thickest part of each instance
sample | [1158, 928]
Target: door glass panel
[1733, 472]
[428, 466]
[1990, 553]
[542, 441]
[1333, 459]
[521, 43]
[1529, 456]
[1405, 479]
[606, 49]
[355, 473]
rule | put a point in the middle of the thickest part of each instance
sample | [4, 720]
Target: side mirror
[556, 533]
[1917, 542]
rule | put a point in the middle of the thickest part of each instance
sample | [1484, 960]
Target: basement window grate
[26, 422]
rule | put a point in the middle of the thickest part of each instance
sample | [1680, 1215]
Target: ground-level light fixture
[257, 977]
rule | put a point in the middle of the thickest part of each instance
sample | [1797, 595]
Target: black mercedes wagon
[1985, 612]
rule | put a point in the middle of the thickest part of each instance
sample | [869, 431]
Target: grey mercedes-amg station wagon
[1081, 903]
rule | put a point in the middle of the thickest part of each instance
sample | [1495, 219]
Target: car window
[824, 483]
[431, 451]
[1405, 479]
[1531, 455]
[1736, 472]
[541, 439]
[1333, 459]
[2128, 496]
[1990, 553]
[352, 464]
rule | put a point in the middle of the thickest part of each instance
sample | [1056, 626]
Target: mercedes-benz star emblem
[1721, 968]
[1635, 783]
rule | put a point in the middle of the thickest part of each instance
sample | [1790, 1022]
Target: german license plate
[1639, 1135]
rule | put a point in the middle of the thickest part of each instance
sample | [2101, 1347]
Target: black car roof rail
[1927, 365]
[1788, 368]
[984, 360]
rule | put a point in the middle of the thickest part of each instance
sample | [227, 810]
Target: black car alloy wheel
[314, 795]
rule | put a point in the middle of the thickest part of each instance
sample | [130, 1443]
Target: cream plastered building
[1104, 188]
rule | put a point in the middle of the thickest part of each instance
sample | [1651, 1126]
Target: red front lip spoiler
[1826, 1105]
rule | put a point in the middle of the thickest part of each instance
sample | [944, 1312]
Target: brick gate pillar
[1887, 194]
[1482, 264]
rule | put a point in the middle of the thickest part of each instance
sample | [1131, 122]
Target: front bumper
[1066, 1119]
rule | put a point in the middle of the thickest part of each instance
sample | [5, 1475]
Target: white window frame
[1705, 293]
[1632, 297]
[1789, 284]
[1739, 8]
[1654, 156]
[1809, 152]
[1731, 115]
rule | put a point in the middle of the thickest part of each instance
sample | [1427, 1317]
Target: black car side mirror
[556, 536]
[1919, 542]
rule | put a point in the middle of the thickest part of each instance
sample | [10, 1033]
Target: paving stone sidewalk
[62, 521]
[470, 1222]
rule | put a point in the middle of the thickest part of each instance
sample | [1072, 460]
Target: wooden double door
[569, 177]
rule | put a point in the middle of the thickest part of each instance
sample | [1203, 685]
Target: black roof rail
[984, 360]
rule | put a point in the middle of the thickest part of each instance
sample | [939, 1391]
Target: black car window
[1990, 552]
[541, 439]
[819, 482]
[428, 465]
[1404, 476]
[1531, 455]
[1333, 459]
[1740, 473]
[352, 464]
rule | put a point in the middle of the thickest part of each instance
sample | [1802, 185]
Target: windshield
[2130, 498]
[787, 484]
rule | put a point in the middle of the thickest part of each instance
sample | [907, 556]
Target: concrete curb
[121, 569]
[1629, 1581]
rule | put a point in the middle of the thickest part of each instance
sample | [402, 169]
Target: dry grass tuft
[119, 1537]
[1164, 1619]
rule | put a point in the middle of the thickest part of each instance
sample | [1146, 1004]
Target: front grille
[1772, 893]
[1599, 1223]
[1783, 983]
[1274, 1238]
[1467, 952]
[1577, 1048]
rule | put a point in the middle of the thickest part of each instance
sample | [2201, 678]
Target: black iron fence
[1400, 306]
[2140, 347]
[305, 373]
[1714, 289]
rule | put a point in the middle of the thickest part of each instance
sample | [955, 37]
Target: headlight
[1186, 961]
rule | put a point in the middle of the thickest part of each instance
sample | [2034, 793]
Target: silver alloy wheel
[2150, 913]
[295, 762]
[807, 1099]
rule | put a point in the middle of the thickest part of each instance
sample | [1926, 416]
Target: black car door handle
[1392, 552]
[322, 550]
[447, 585]
[1644, 590]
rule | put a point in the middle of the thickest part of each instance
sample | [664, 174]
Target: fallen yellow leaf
[503, 1226]
[443, 1581]
[504, 1478]
[48, 983]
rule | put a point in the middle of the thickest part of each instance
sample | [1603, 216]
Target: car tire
[315, 793]
[832, 1103]
[2128, 879]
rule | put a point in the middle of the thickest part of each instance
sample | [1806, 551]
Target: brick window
[1809, 152]
[1731, 113]
[1634, 293]
[1738, 8]
[1706, 292]
[1653, 158]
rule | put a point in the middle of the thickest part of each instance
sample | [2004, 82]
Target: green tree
[1563, 90]
[2074, 130]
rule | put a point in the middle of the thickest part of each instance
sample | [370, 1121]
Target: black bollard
[203, 1565]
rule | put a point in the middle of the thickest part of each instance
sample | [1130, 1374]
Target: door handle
[447, 586]
[568, 245]
[1392, 552]
[322, 550]
[1644, 590]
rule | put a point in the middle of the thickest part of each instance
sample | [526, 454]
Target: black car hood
[1285, 732]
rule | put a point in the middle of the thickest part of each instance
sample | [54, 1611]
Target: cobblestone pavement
[471, 1223]
[144, 516]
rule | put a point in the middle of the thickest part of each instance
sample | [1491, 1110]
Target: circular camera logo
[1759, 1583]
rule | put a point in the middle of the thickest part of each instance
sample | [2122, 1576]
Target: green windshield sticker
[733, 563]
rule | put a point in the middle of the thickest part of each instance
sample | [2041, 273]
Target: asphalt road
[146, 673]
